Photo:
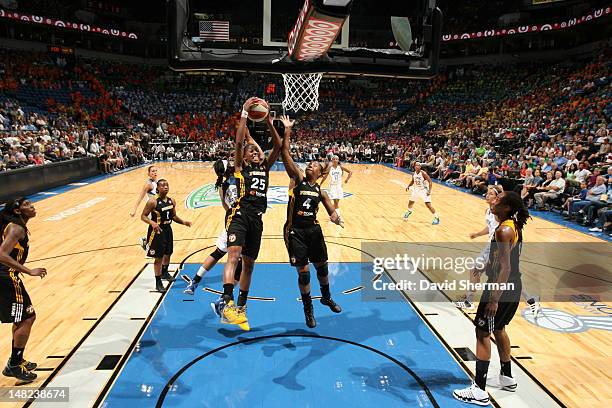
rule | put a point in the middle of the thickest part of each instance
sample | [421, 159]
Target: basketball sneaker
[534, 305]
[472, 395]
[192, 285]
[143, 243]
[166, 276]
[333, 306]
[159, 286]
[464, 303]
[435, 221]
[309, 316]
[407, 214]
[217, 307]
[507, 383]
[231, 314]
[19, 372]
[242, 312]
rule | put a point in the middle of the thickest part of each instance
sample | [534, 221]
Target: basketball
[259, 110]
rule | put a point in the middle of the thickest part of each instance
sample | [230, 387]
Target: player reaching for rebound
[226, 185]
[498, 305]
[159, 213]
[244, 223]
[422, 190]
[15, 304]
[149, 188]
[302, 232]
[335, 172]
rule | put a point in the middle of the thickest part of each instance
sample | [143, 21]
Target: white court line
[458, 332]
[113, 335]
[78, 184]
[47, 193]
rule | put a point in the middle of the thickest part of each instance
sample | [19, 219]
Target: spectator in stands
[551, 191]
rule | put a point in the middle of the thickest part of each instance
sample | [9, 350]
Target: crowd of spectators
[543, 130]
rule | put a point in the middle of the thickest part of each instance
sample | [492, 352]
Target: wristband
[244, 114]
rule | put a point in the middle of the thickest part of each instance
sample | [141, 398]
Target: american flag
[214, 30]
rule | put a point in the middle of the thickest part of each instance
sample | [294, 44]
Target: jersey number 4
[307, 203]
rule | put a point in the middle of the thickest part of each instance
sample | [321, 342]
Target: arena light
[336, 3]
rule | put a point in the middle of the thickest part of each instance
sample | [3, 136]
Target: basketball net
[301, 91]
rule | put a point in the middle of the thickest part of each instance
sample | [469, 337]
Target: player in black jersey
[499, 302]
[226, 185]
[15, 304]
[302, 232]
[159, 213]
[244, 221]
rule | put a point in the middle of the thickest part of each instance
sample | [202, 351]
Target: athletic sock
[16, 356]
[470, 296]
[325, 291]
[158, 279]
[228, 291]
[306, 299]
[200, 274]
[242, 297]
[506, 369]
[197, 279]
[165, 269]
[482, 368]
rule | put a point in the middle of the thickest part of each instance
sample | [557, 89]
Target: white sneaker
[595, 229]
[534, 306]
[463, 303]
[507, 383]
[472, 395]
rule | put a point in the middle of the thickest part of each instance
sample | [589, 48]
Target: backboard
[377, 37]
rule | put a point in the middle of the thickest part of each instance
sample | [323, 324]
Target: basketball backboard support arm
[185, 55]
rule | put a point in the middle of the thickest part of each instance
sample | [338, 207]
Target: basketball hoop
[301, 91]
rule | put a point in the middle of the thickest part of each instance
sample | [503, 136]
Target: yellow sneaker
[232, 315]
[242, 311]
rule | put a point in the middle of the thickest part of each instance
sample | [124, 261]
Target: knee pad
[322, 270]
[304, 278]
[238, 270]
[217, 254]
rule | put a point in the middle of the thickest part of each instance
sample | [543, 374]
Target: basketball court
[104, 332]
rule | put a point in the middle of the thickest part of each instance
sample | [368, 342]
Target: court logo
[207, 196]
[560, 321]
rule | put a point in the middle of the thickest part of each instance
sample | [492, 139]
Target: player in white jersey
[467, 301]
[420, 185]
[148, 189]
[335, 172]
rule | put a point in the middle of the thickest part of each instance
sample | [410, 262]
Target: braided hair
[518, 212]
[219, 168]
[7, 215]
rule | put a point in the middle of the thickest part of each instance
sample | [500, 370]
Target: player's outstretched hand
[248, 103]
[287, 123]
[188, 223]
[42, 272]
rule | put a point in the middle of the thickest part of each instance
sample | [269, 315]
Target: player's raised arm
[292, 169]
[329, 206]
[275, 139]
[241, 134]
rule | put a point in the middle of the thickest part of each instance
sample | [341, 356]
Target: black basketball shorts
[506, 308]
[244, 230]
[306, 245]
[160, 244]
[15, 303]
